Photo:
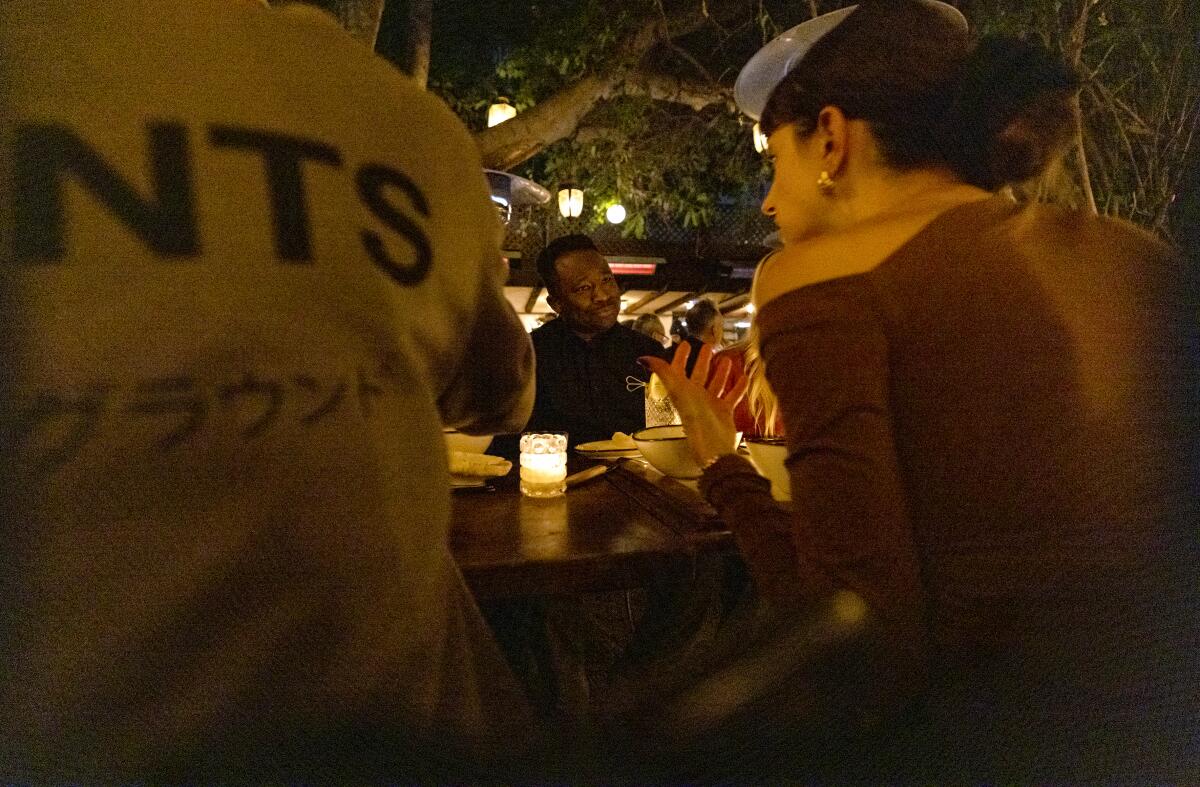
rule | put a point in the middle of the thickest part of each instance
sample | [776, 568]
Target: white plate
[606, 448]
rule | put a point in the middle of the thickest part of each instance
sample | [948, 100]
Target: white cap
[769, 65]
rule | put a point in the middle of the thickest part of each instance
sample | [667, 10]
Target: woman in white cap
[991, 407]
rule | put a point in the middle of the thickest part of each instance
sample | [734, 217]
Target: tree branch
[662, 87]
[688, 58]
[524, 136]
[1074, 53]
[513, 141]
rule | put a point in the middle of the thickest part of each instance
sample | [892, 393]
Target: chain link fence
[734, 228]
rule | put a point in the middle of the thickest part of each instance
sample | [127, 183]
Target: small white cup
[769, 455]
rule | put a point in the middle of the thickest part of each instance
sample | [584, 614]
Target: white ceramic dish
[667, 450]
[466, 443]
[768, 455]
[607, 449]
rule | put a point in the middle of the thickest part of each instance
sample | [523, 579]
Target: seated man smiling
[586, 360]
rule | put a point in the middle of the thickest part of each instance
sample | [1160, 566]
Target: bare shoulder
[783, 271]
[822, 259]
[853, 251]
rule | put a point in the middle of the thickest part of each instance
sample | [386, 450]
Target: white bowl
[666, 448]
[768, 455]
[466, 443]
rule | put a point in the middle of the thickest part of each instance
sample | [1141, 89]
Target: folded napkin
[478, 465]
[619, 442]
[622, 440]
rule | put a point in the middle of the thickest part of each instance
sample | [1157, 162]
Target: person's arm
[705, 393]
[762, 529]
[826, 357]
[848, 528]
[494, 388]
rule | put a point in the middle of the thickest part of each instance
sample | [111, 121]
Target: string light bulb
[500, 111]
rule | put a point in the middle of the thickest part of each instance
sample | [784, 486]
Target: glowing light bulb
[760, 139]
[570, 202]
[500, 112]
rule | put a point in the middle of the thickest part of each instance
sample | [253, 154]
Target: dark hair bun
[995, 113]
[1008, 112]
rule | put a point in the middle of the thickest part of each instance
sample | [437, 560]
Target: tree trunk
[418, 32]
[359, 18]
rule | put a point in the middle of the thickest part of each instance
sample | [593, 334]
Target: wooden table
[615, 532]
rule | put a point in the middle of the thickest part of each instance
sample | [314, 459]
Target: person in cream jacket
[249, 271]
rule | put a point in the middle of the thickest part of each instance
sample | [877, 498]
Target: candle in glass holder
[543, 464]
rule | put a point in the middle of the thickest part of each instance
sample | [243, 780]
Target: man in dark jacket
[588, 377]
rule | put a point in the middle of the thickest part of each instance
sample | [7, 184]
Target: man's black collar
[566, 330]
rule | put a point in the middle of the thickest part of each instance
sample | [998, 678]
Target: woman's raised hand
[704, 400]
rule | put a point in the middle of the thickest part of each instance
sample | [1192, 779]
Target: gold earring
[825, 184]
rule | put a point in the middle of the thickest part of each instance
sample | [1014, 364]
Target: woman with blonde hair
[991, 407]
[757, 414]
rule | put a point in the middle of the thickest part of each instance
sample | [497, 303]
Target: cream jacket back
[249, 271]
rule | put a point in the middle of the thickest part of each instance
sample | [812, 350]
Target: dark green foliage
[1140, 102]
